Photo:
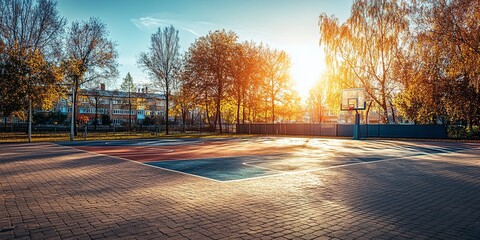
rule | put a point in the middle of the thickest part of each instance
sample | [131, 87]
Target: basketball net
[350, 108]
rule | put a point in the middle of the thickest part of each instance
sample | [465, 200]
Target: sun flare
[308, 64]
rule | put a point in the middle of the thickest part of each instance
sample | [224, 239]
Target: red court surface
[195, 151]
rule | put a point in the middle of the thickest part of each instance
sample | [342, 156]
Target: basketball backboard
[353, 99]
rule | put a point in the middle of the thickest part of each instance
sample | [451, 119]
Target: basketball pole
[356, 127]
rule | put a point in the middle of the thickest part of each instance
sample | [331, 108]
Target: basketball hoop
[354, 99]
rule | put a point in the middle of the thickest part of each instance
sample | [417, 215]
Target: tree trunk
[273, 102]
[215, 121]
[243, 108]
[207, 120]
[238, 109]
[368, 111]
[385, 110]
[219, 117]
[393, 113]
[30, 120]
[207, 112]
[129, 112]
[96, 114]
[184, 118]
[273, 110]
[74, 109]
[166, 114]
[385, 116]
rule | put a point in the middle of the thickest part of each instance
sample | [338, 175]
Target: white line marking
[255, 166]
[126, 159]
[279, 174]
[332, 167]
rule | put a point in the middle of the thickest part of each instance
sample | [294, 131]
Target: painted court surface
[250, 188]
[239, 159]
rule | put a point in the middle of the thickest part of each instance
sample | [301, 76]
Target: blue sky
[283, 24]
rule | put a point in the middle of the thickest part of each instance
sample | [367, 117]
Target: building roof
[120, 94]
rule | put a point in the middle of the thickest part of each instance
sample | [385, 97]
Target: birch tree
[367, 45]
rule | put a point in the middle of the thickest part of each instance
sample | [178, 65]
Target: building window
[123, 112]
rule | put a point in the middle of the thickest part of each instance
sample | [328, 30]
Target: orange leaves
[27, 75]
[82, 119]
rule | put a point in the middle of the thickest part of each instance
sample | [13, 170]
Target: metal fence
[100, 128]
[346, 130]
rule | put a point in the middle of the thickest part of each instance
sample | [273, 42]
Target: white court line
[343, 165]
[144, 164]
[273, 175]
[266, 168]
[315, 169]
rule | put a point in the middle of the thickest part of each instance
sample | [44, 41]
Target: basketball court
[228, 160]
[240, 188]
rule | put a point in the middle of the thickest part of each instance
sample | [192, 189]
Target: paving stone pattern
[53, 192]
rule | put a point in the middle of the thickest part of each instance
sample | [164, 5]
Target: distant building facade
[119, 106]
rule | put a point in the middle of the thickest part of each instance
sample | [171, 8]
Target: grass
[8, 137]
[59, 137]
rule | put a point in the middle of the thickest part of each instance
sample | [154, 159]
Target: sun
[308, 64]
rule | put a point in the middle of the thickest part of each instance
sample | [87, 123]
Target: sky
[289, 25]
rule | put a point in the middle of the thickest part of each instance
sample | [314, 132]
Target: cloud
[150, 24]
[197, 28]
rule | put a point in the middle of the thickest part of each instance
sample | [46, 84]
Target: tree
[127, 86]
[31, 24]
[210, 62]
[316, 102]
[290, 108]
[185, 98]
[163, 62]
[29, 42]
[91, 56]
[367, 46]
[277, 78]
[248, 63]
[256, 92]
[439, 72]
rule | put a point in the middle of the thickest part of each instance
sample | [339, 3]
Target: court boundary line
[272, 175]
[141, 163]
[343, 165]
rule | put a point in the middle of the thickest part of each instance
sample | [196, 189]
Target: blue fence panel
[399, 131]
[346, 130]
[430, 131]
[328, 129]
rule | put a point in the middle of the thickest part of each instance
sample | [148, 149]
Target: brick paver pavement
[55, 192]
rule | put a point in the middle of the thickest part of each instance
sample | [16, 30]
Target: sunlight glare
[308, 63]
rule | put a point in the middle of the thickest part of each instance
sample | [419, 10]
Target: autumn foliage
[233, 82]
[416, 59]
